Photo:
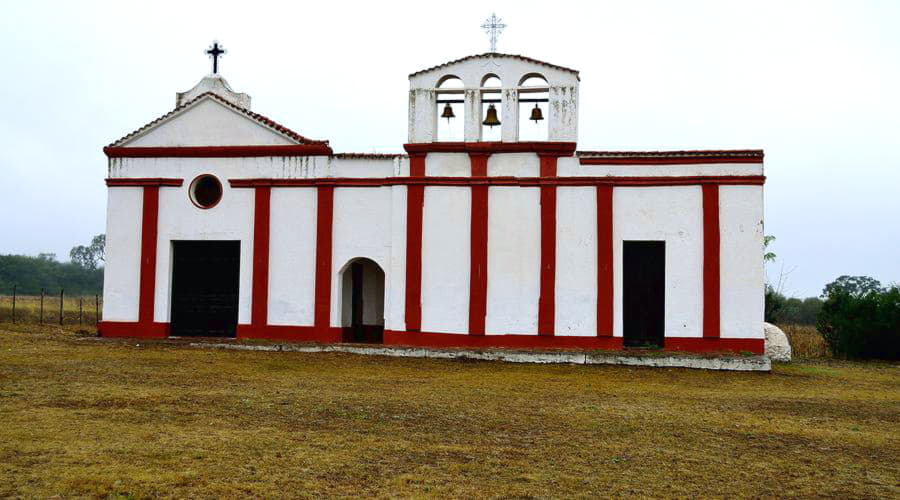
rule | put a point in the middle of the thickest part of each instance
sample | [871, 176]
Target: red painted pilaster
[415, 203]
[605, 261]
[259, 310]
[149, 228]
[478, 247]
[547, 300]
[711, 305]
[324, 230]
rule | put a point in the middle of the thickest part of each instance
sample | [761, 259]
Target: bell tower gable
[500, 97]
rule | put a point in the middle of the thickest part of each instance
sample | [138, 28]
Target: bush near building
[861, 319]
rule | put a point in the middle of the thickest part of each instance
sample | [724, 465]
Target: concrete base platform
[662, 359]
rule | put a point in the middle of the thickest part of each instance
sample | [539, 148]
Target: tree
[90, 257]
[860, 319]
[856, 286]
[98, 246]
[768, 256]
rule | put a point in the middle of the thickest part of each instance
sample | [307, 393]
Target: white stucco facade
[425, 250]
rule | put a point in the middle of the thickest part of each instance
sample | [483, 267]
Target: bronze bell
[448, 112]
[536, 114]
[491, 118]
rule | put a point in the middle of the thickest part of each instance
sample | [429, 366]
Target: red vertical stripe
[149, 225]
[324, 225]
[711, 262]
[605, 261]
[547, 300]
[415, 202]
[478, 249]
[259, 311]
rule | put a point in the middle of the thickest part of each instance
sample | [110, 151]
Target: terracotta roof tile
[496, 54]
[369, 156]
[268, 122]
[756, 153]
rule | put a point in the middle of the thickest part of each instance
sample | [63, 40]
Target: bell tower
[493, 97]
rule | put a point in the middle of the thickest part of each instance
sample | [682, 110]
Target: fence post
[61, 299]
[96, 308]
[14, 304]
[80, 311]
[41, 320]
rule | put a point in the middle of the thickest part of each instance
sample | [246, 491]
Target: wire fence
[51, 307]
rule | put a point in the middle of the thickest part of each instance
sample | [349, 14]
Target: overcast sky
[816, 84]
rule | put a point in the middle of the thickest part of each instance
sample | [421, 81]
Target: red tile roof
[495, 54]
[699, 153]
[263, 120]
[369, 156]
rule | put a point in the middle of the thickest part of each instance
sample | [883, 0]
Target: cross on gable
[215, 51]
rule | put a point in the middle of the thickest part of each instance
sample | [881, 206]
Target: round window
[206, 191]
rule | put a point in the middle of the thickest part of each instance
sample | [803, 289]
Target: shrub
[861, 322]
[783, 310]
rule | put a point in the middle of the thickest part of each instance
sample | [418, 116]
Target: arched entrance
[362, 301]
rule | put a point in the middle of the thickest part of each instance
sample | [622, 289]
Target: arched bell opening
[450, 114]
[534, 97]
[362, 301]
[491, 109]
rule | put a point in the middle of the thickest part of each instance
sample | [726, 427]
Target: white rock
[777, 345]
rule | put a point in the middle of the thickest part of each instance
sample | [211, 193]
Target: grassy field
[28, 309]
[84, 417]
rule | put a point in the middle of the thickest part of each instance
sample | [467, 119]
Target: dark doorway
[363, 302]
[205, 288]
[644, 293]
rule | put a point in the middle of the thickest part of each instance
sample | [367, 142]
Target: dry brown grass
[806, 341]
[28, 309]
[102, 418]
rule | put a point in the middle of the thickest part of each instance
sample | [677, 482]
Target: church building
[492, 230]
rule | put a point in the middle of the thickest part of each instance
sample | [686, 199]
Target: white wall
[446, 236]
[576, 261]
[572, 167]
[225, 168]
[292, 256]
[209, 123]
[395, 280]
[514, 165]
[514, 260]
[122, 273]
[179, 219]
[448, 165]
[362, 228]
[371, 222]
[673, 215]
[741, 256]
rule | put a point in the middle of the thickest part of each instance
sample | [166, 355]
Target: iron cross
[215, 51]
[493, 26]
